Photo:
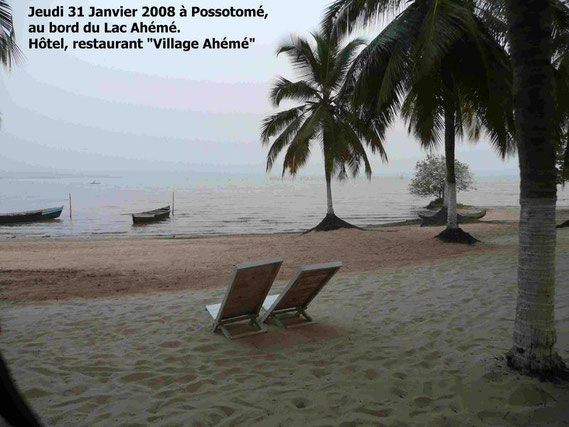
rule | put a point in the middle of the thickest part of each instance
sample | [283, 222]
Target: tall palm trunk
[534, 335]
[450, 189]
[330, 209]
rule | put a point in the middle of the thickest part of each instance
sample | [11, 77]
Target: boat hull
[151, 216]
[31, 216]
[440, 218]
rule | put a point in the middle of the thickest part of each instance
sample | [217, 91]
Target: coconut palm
[537, 33]
[9, 51]
[323, 116]
[538, 120]
[532, 48]
[438, 65]
[494, 13]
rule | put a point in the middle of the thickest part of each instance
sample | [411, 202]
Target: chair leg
[278, 322]
[261, 328]
[302, 312]
[259, 324]
[226, 332]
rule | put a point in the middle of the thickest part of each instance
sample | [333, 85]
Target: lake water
[213, 204]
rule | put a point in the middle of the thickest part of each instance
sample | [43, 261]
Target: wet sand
[52, 269]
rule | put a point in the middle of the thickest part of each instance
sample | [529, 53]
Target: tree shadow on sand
[330, 223]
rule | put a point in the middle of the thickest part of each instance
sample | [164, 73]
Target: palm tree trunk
[450, 189]
[529, 32]
[330, 210]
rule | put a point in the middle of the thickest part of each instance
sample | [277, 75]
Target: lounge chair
[247, 290]
[300, 291]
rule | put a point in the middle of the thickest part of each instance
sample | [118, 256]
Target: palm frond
[343, 16]
[284, 89]
[299, 147]
[276, 123]
[10, 53]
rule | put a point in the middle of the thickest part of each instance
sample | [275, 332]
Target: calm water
[210, 204]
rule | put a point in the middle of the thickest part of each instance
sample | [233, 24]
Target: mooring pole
[70, 207]
[172, 203]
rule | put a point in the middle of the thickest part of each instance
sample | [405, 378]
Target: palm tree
[531, 47]
[9, 51]
[494, 13]
[537, 33]
[438, 65]
[324, 116]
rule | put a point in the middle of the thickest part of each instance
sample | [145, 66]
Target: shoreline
[82, 269]
[509, 214]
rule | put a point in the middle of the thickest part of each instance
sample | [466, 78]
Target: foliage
[435, 56]
[324, 115]
[430, 177]
[9, 51]
[494, 13]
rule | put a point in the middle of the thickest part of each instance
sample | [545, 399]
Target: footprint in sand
[319, 372]
[171, 344]
[422, 401]
[137, 376]
[371, 374]
[380, 413]
[192, 388]
[300, 403]
[34, 393]
[400, 375]
[399, 392]
[530, 395]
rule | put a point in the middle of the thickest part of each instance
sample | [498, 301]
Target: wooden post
[172, 203]
[70, 207]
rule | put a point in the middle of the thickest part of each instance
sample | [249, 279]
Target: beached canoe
[469, 215]
[30, 216]
[151, 216]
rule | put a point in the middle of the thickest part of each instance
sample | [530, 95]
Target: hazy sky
[99, 110]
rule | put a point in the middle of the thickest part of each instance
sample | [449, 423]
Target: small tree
[430, 178]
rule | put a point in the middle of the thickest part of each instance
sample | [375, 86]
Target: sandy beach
[52, 269]
[413, 332]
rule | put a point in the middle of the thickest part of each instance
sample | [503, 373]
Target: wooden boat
[439, 217]
[469, 215]
[151, 216]
[30, 216]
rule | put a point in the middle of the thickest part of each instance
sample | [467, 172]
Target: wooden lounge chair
[247, 290]
[300, 291]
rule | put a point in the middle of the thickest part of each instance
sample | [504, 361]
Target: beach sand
[409, 344]
[51, 269]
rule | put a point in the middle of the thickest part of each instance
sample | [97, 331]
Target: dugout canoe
[151, 216]
[31, 216]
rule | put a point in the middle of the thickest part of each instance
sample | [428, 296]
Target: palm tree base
[548, 368]
[332, 222]
[457, 235]
[565, 224]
